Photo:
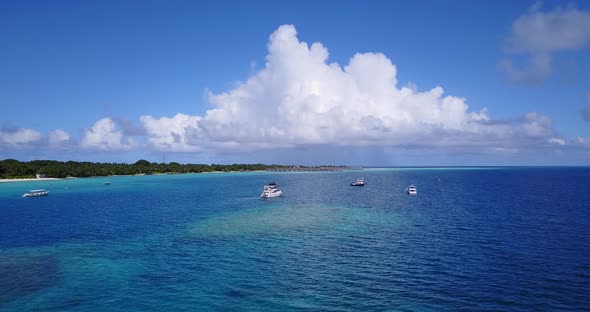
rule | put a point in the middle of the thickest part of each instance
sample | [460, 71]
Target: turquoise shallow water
[478, 239]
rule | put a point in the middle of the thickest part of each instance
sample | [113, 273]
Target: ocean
[502, 239]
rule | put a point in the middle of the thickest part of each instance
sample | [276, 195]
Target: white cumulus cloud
[19, 137]
[58, 137]
[172, 133]
[300, 98]
[104, 135]
[539, 35]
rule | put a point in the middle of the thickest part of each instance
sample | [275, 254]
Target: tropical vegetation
[11, 168]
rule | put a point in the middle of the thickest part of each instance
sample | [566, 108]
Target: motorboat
[36, 193]
[107, 183]
[358, 182]
[412, 190]
[271, 190]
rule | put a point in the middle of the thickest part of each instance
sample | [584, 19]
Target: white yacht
[271, 190]
[412, 190]
[36, 193]
[358, 182]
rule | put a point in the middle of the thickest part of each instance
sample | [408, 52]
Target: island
[12, 169]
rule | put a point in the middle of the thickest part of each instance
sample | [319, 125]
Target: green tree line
[11, 168]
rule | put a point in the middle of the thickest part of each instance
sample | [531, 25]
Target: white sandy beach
[28, 180]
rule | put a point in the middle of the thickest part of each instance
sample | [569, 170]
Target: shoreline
[122, 175]
[28, 180]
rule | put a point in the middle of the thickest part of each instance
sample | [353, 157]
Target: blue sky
[93, 69]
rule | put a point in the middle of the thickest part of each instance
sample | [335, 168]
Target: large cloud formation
[299, 98]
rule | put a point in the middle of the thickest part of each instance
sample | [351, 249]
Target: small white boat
[36, 193]
[107, 183]
[411, 190]
[358, 182]
[271, 190]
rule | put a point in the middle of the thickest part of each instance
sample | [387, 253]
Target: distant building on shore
[320, 168]
[40, 176]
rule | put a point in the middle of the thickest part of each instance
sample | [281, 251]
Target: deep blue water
[473, 239]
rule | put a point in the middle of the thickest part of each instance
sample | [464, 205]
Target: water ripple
[461, 244]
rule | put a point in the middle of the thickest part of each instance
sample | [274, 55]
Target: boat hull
[271, 194]
[36, 195]
[358, 182]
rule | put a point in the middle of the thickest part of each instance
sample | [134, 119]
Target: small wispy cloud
[586, 109]
[539, 35]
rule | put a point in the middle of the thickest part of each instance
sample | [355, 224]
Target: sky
[373, 83]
